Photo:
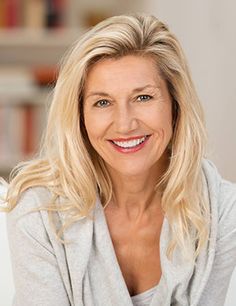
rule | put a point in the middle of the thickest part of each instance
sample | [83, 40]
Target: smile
[131, 145]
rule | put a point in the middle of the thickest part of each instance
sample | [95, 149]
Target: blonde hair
[70, 168]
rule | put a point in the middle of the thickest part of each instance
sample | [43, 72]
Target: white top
[85, 271]
[144, 298]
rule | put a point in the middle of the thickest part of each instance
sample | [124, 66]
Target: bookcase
[34, 35]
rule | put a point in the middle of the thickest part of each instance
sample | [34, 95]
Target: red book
[2, 13]
[12, 9]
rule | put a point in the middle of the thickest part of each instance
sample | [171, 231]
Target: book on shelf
[33, 14]
[28, 129]
[11, 133]
[21, 128]
[22, 117]
[12, 8]
[54, 13]
[10, 13]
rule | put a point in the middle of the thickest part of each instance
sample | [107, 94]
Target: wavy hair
[68, 165]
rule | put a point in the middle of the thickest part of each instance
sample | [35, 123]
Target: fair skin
[127, 102]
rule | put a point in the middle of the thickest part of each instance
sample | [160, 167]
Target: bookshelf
[30, 49]
[37, 38]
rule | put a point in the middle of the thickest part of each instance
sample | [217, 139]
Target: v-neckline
[106, 242]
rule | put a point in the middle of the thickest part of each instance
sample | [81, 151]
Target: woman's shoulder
[222, 195]
[29, 200]
[26, 215]
[227, 198]
[227, 211]
[217, 185]
[226, 190]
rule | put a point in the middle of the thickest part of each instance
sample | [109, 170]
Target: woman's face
[128, 113]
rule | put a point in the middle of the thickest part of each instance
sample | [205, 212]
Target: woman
[126, 209]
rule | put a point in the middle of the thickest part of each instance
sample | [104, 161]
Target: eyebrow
[138, 89]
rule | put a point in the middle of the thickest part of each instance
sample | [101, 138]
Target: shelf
[39, 47]
[36, 95]
[27, 38]
[24, 50]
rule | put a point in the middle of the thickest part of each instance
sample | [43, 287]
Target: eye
[102, 103]
[144, 98]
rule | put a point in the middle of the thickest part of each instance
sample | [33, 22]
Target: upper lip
[130, 138]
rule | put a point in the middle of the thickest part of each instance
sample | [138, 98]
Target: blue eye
[144, 98]
[102, 103]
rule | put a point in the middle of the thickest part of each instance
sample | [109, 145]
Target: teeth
[131, 143]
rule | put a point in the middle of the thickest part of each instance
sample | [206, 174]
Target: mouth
[132, 145]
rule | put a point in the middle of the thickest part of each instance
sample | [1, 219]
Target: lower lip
[130, 150]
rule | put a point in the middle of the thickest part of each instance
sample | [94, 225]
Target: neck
[135, 195]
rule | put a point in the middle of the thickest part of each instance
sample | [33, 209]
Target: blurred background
[34, 35]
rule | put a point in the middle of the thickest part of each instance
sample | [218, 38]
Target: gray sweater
[86, 271]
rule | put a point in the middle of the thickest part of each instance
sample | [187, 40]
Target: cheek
[95, 126]
[161, 119]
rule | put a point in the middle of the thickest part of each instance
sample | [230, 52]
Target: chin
[132, 170]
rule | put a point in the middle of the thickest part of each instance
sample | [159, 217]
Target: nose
[125, 119]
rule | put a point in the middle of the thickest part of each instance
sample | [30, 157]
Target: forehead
[126, 71]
